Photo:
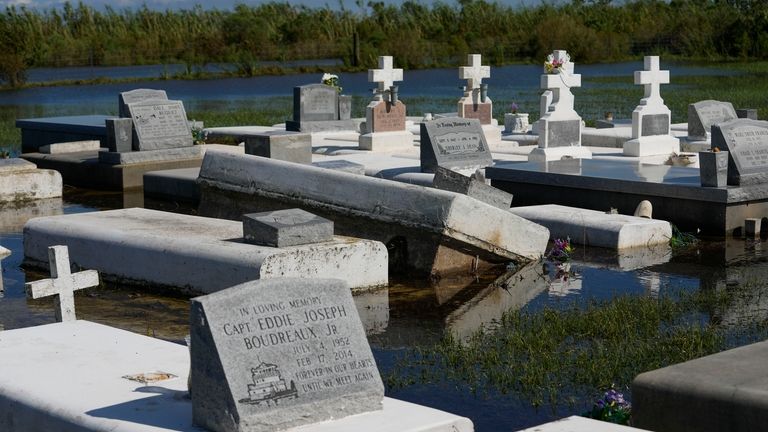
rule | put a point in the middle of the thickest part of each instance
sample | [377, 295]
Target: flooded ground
[411, 316]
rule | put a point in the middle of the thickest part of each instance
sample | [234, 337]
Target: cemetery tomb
[37, 132]
[192, 254]
[296, 354]
[720, 392]
[597, 228]
[559, 127]
[156, 137]
[22, 181]
[703, 115]
[320, 108]
[651, 119]
[746, 142]
[674, 191]
[128, 381]
[453, 142]
[385, 114]
[440, 232]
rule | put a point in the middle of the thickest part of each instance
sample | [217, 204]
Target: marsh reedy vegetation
[416, 34]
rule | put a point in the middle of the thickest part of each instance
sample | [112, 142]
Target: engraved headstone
[386, 117]
[137, 95]
[277, 353]
[702, 115]
[453, 143]
[747, 144]
[651, 118]
[315, 102]
[159, 124]
[63, 283]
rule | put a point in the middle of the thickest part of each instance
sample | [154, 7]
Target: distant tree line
[418, 35]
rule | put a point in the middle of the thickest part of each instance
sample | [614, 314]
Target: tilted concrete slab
[723, 392]
[71, 377]
[595, 228]
[426, 229]
[194, 254]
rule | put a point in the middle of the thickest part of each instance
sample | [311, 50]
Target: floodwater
[413, 314]
[431, 90]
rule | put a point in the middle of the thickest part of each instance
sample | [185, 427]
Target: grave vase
[516, 123]
[713, 168]
[345, 107]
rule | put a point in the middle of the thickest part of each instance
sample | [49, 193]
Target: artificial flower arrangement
[331, 80]
[555, 66]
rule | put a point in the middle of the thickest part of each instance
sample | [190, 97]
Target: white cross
[385, 76]
[475, 72]
[651, 78]
[62, 284]
[561, 84]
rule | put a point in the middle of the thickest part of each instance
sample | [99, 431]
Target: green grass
[560, 356]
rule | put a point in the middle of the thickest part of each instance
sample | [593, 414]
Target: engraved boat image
[268, 386]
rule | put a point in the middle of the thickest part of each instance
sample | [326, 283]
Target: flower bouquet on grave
[611, 407]
[561, 251]
[555, 66]
[331, 80]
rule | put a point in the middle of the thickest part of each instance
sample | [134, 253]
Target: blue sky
[210, 4]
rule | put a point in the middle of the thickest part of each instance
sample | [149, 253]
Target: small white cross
[62, 284]
[652, 77]
[386, 75]
[475, 72]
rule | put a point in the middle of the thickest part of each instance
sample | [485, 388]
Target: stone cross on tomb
[62, 284]
[560, 84]
[651, 78]
[384, 76]
[475, 72]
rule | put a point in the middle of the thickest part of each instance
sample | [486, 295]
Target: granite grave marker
[137, 95]
[277, 353]
[747, 144]
[453, 143]
[159, 124]
[315, 102]
[119, 134]
[702, 115]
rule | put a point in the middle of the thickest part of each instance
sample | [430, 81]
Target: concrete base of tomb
[22, 181]
[652, 145]
[557, 153]
[83, 169]
[383, 141]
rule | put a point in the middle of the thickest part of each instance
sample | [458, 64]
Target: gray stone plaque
[138, 95]
[564, 133]
[277, 353]
[655, 124]
[315, 102]
[282, 228]
[453, 143]
[159, 124]
[702, 115]
[747, 143]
